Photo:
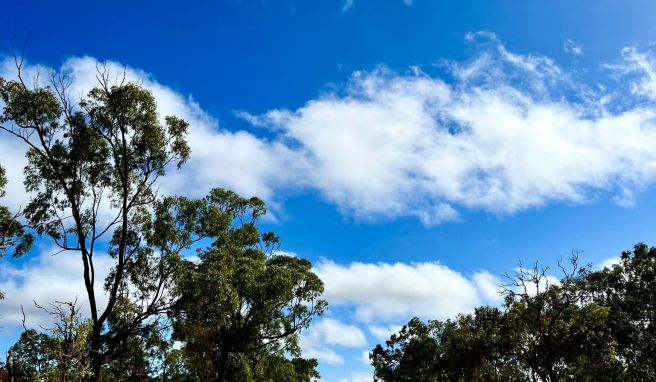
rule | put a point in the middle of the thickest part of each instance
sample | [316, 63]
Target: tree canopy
[590, 326]
[241, 304]
[91, 177]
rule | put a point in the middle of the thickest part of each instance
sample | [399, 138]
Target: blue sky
[337, 113]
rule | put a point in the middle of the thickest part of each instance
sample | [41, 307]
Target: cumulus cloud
[323, 355]
[609, 262]
[502, 133]
[510, 132]
[383, 333]
[364, 357]
[380, 298]
[323, 335]
[383, 291]
[333, 332]
[358, 377]
[44, 279]
[488, 286]
[236, 160]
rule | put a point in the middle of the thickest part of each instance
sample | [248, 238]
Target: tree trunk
[10, 364]
[96, 364]
[223, 363]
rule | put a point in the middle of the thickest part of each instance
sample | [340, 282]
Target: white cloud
[364, 357]
[643, 66]
[333, 332]
[507, 133]
[609, 262]
[504, 138]
[358, 377]
[488, 286]
[386, 292]
[325, 333]
[44, 279]
[571, 47]
[379, 296]
[323, 355]
[383, 333]
[238, 160]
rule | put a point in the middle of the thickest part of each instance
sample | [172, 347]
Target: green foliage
[58, 354]
[411, 355]
[591, 326]
[106, 151]
[475, 348]
[237, 309]
[135, 357]
[12, 235]
[91, 175]
[470, 348]
[560, 335]
[241, 305]
[27, 359]
[628, 290]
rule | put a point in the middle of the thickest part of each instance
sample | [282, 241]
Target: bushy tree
[589, 326]
[136, 358]
[241, 304]
[91, 177]
[91, 172]
[411, 355]
[557, 331]
[473, 347]
[237, 307]
[56, 354]
[628, 290]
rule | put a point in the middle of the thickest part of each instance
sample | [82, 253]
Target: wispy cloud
[349, 3]
[640, 67]
[571, 47]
